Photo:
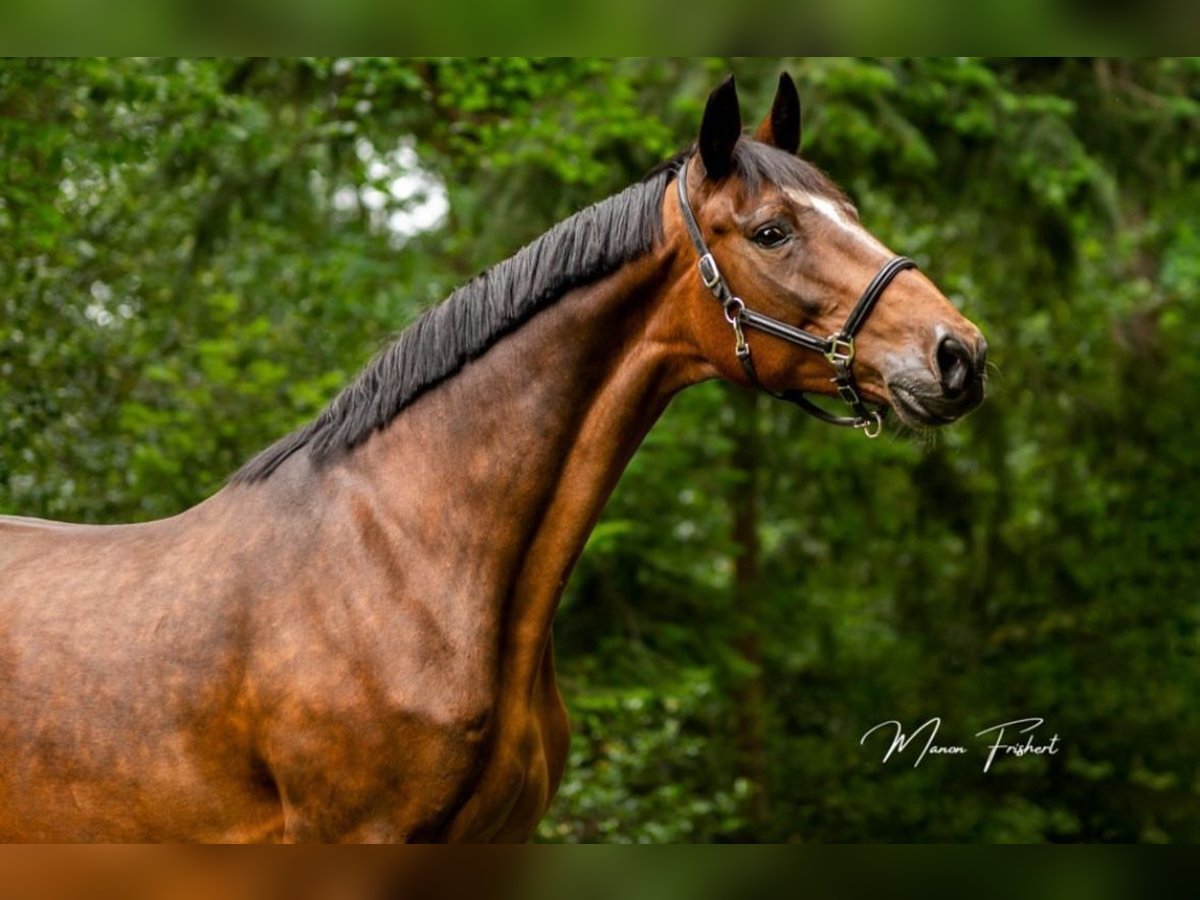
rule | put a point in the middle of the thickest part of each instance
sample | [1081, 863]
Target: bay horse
[351, 641]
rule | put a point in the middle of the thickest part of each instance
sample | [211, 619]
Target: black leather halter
[838, 348]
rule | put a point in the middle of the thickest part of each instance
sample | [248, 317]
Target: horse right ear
[720, 129]
[781, 127]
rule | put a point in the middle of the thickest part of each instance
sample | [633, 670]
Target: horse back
[118, 644]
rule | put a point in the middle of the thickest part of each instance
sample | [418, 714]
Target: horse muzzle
[954, 385]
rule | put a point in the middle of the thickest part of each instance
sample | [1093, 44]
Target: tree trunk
[749, 691]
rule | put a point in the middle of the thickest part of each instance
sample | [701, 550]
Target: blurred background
[195, 255]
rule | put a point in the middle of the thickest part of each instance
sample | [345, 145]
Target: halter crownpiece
[838, 348]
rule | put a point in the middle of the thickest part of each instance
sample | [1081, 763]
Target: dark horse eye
[770, 236]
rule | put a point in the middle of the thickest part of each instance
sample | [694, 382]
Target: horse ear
[781, 128]
[720, 129]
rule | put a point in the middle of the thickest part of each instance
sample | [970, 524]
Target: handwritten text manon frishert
[1014, 738]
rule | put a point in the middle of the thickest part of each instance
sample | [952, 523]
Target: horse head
[809, 301]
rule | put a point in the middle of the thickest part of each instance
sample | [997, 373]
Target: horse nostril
[955, 366]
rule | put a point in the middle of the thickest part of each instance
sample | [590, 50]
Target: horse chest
[355, 758]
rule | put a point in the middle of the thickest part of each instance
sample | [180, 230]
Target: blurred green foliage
[196, 255]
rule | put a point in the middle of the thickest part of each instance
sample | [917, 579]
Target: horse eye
[770, 236]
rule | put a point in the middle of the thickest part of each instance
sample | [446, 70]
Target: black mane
[588, 246]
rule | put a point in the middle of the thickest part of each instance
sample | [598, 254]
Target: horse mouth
[920, 411]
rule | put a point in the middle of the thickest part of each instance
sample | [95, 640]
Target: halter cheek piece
[838, 348]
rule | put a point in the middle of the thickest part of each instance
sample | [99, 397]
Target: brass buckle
[841, 349]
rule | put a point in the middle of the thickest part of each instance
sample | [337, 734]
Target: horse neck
[496, 477]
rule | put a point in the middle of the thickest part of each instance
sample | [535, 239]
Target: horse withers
[351, 641]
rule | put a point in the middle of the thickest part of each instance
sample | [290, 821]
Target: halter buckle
[847, 392]
[709, 273]
[841, 349]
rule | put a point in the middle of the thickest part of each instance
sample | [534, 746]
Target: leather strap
[837, 348]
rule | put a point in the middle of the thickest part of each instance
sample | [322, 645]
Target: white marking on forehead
[838, 216]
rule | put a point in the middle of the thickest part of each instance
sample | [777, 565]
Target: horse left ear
[720, 130]
[781, 128]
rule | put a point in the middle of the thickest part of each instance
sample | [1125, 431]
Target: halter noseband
[838, 348]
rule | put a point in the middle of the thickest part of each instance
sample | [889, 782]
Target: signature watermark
[1020, 737]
